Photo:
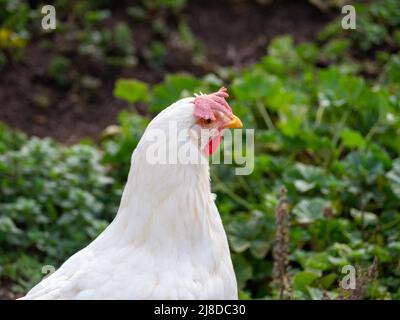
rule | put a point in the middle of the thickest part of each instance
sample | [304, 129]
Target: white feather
[166, 242]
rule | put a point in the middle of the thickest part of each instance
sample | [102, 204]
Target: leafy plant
[53, 201]
[324, 129]
[114, 46]
[131, 90]
[58, 70]
[155, 56]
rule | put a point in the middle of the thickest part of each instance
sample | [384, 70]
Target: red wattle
[213, 145]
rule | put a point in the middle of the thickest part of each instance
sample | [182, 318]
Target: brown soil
[231, 33]
[6, 292]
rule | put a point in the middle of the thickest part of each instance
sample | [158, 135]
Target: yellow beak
[235, 123]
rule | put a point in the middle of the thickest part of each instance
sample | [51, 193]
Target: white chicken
[167, 240]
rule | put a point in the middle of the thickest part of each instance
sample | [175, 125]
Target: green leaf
[363, 217]
[336, 48]
[256, 85]
[243, 270]
[304, 186]
[259, 248]
[393, 69]
[352, 139]
[131, 90]
[382, 253]
[351, 88]
[318, 261]
[8, 226]
[394, 177]
[309, 210]
[305, 278]
[172, 89]
[315, 294]
[239, 244]
[328, 280]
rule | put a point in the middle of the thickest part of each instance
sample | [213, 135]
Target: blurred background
[324, 103]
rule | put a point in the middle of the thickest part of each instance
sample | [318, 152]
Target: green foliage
[52, 201]
[15, 17]
[119, 144]
[155, 56]
[326, 134]
[164, 4]
[376, 25]
[324, 131]
[131, 90]
[58, 70]
[114, 46]
[172, 89]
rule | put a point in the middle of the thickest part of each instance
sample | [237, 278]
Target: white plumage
[166, 242]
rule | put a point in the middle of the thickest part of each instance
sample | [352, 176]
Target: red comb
[205, 105]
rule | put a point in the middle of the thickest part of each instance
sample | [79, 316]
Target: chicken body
[166, 242]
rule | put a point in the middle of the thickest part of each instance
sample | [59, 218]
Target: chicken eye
[202, 121]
